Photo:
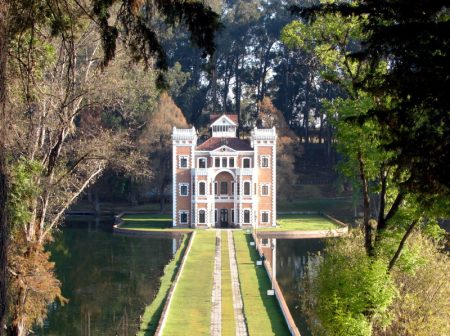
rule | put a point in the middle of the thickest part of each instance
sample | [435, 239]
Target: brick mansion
[224, 181]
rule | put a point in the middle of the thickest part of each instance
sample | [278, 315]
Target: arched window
[202, 216]
[246, 216]
[202, 188]
[246, 188]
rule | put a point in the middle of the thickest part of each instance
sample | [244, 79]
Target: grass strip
[190, 310]
[152, 312]
[149, 222]
[262, 312]
[228, 322]
[297, 222]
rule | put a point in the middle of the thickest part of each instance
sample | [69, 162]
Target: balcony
[223, 198]
[244, 171]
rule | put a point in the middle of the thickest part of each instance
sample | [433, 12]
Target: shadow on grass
[276, 317]
[170, 272]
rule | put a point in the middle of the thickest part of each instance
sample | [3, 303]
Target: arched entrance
[224, 196]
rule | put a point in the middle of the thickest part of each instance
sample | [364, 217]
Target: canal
[110, 278]
[292, 257]
[107, 278]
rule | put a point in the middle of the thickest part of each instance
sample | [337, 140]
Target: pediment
[223, 121]
[224, 149]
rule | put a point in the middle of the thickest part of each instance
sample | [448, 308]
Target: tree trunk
[402, 244]
[368, 230]
[4, 229]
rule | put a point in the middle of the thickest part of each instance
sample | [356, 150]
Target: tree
[410, 42]
[288, 148]
[24, 21]
[394, 209]
[158, 142]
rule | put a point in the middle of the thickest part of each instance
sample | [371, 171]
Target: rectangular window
[224, 162]
[246, 188]
[217, 162]
[264, 161]
[215, 189]
[183, 161]
[232, 215]
[202, 188]
[184, 189]
[232, 188]
[202, 216]
[246, 216]
[202, 163]
[238, 191]
[184, 217]
[246, 163]
[215, 216]
[231, 162]
[265, 217]
[265, 190]
[223, 188]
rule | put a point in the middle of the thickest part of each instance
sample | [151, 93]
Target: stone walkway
[216, 309]
[241, 328]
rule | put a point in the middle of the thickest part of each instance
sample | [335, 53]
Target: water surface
[292, 257]
[107, 278]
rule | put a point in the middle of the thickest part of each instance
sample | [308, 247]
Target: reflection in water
[292, 257]
[108, 279]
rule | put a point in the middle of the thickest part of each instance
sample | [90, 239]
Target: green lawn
[341, 208]
[190, 310]
[228, 322]
[152, 313]
[149, 222]
[263, 315]
[288, 222]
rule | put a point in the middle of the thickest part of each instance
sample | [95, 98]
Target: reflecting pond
[292, 257]
[107, 278]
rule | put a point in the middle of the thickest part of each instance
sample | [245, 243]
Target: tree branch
[402, 243]
[66, 205]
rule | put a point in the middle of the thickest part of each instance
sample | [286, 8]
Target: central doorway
[223, 218]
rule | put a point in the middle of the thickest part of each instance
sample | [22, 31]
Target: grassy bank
[262, 312]
[153, 312]
[341, 208]
[149, 222]
[288, 222]
[190, 310]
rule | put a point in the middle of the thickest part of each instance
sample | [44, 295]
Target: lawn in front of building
[147, 222]
[262, 312]
[190, 310]
[298, 222]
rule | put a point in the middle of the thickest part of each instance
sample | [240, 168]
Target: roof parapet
[184, 133]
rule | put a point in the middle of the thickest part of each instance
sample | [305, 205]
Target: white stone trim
[274, 182]
[206, 215]
[174, 185]
[268, 212]
[180, 157]
[242, 162]
[183, 184]
[180, 212]
[243, 188]
[206, 188]
[261, 189]
[261, 158]
[198, 162]
[250, 216]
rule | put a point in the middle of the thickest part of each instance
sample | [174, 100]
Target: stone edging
[118, 221]
[164, 314]
[279, 295]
